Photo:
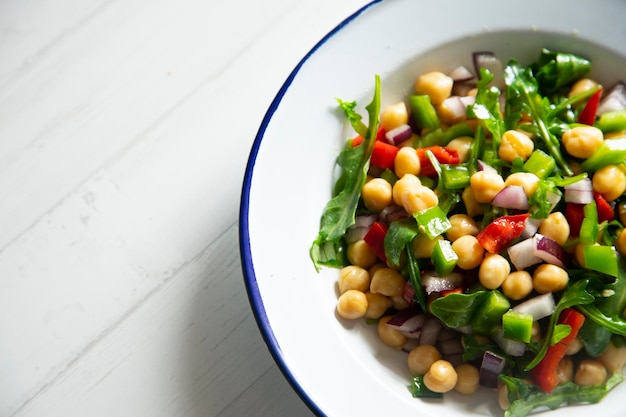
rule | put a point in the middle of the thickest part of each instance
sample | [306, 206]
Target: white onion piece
[548, 250]
[468, 100]
[461, 74]
[508, 346]
[430, 331]
[553, 198]
[511, 197]
[614, 99]
[539, 307]
[398, 134]
[490, 61]
[410, 344]
[580, 192]
[433, 283]
[408, 322]
[532, 225]
[522, 254]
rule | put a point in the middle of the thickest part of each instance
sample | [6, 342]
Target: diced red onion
[408, 293]
[522, 254]
[461, 74]
[492, 366]
[489, 61]
[532, 225]
[468, 100]
[553, 198]
[430, 331]
[391, 213]
[409, 322]
[450, 346]
[455, 106]
[483, 166]
[508, 346]
[360, 227]
[548, 250]
[614, 99]
[580, 192]
[433, 283]
[462, 89]
[511, 197]
[398, 134]
[539, 306]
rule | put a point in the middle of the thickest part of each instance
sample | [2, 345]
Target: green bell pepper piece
[444, 258]
[517, 326]
[540, 163]
[433, 221]
[488, 316]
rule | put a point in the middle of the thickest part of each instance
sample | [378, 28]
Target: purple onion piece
[430, 332]
[489, 61]
[614, 99]
[492, 366]
[522, 254]
[433, 283]
[548, 250]
[511, 197]
[399, 134]
[461, 74]
[407, 321]
[539, 306]
[580, 192]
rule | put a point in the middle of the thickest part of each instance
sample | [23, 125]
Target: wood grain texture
[125, 129]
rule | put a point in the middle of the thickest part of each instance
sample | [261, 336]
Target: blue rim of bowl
[247, 263]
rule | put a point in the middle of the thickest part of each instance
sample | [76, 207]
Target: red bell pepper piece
[501, 232]
[588, 115]
[383, 154]
[574, 213]
[605, 209]
[545, 373]
[442, 154]
[375, 239]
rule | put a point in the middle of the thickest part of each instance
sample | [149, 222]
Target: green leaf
[419, 390]
[400, 233]
[339, 213]
[555, 70]
[524, 397]
[415, 277]
[487, 107]
[457, 310]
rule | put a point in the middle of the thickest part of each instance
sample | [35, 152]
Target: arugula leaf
[457, 310]
[555, 70]
[415, 278]
[353, 117]
[419, 390]
[487, 107]
[524, 397]
[400, 233]
[340, 211]
[523, 95]
[575, 295]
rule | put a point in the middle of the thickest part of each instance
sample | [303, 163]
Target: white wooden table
[125, 127]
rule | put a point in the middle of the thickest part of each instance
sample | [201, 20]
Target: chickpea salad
[478, 226]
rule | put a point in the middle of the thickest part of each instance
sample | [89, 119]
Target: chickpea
[613, 358]
[377, 305]
[359, 253]
[376, 194]
[485, 185]
[535, 332]
[436, 85]
[421, 358]
[387, 281]
[352, 304]
[556, 227]
[394, 116]
[582, 141]
[609, 181]
[494, 269]
[423, 246]
[529, 181]
[575, 346]
[469, 251]
[517, 285]
[472, 206]
[503, 396]
[406, 183]
[549, 278]
[514, 145]
[399, 303]
[461, 225]
[462, 146]
[390, 336]
[419, 199]
[406, 162]
[441, 377]
[353, 277]
[590, 372]
[580, 86]
[565, 370]
[468, 379]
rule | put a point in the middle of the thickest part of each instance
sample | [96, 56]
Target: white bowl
[339, 368]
